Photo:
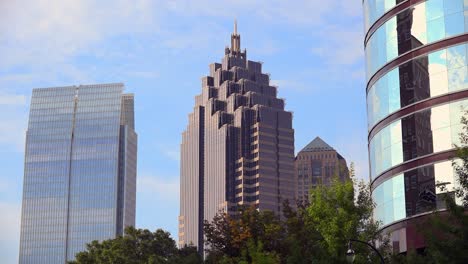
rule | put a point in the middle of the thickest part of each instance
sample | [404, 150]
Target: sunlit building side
[417, 92]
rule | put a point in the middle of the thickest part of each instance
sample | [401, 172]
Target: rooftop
[317, 145]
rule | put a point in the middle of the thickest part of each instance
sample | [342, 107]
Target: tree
[338, 214]
[316, 232]
[302, 237]
[249, 235]
[138, 246]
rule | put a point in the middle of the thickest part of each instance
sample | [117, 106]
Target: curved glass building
[417, 91]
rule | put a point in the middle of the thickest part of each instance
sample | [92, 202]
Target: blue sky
[160, 50]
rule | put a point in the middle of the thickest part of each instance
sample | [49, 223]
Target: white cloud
[12, 99]
[342, 47]
[166, 187]
[173, 154]
[266, 47]
[10, 230]
[143, 74]
[12, 133]
[46, 35]
[299, 12]
[43, 32]
[13, 118]
[290, 85]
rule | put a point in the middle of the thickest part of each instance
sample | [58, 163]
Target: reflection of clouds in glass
[437, 61]
[448, 72]
[419, 27]
[438, 84]
[440, 126]
[456, 62]
[456, 56]
[386, 147]
[389, 197]
[390, 200]
[444, 176]
[438, 73]
[430, 22]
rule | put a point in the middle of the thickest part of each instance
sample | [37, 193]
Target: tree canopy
[316, 231]
[138, 246]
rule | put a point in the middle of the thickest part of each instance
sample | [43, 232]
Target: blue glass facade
[80, 170]
[413, 192]
[447, 73]
[374, 9]
[417, 93]
[421, 24]
[436, 129]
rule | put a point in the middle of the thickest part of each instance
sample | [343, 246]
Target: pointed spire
[235, 26]
[235, 39]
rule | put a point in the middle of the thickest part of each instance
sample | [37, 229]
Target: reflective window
[413, 192]
[374, 9]
[419, 25]
[428, 131]
[73, 185]
[438, 73]
[390, 200]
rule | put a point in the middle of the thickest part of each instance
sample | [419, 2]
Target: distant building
[79, 170]
[316, 164]
[417, 92]
[238, 148]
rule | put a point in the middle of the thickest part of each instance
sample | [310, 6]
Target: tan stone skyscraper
[317, 164]
[238, 148]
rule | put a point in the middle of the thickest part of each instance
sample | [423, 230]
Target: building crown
[317, 145]
[235, 49]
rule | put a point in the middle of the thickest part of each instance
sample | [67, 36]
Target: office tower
[238, 148]
[79, 171]
[317, 164]
[417, 80]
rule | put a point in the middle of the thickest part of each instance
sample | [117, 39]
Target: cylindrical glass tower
[417, 92]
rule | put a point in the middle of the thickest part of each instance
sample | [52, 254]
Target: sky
[313, 50]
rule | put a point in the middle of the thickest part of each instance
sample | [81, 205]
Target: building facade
[80, 170]
[317, 164]
[417, 81]
[238, 148]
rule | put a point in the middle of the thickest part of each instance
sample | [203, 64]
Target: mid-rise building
[417, 92]
[317, 164]
[79, 170]
[238, 148]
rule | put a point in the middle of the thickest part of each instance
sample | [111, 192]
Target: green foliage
[243, 237]
[338, 214]
[316, 231]
[138, 246]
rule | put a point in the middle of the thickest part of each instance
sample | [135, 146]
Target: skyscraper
[79, 171]
[238, 148]
[417, 81]
[317, 164]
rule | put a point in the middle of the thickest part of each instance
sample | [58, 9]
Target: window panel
[422, 133]
[438, 73]
[419, 25]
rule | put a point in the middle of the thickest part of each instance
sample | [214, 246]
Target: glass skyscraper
[417, 92]
[79, 171]
[238, 148]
